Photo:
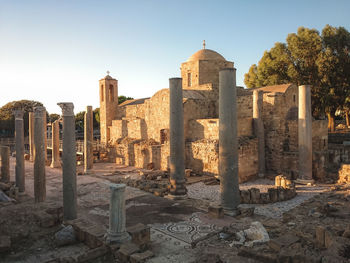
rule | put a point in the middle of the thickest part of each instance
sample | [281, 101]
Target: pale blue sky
[54, 51]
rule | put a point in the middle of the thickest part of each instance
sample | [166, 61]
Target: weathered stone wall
[338, 154]
[201, 156]
[209, 128]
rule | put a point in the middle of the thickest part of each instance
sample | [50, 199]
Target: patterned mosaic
[186, 231]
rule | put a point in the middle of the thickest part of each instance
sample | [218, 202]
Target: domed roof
[206, 54]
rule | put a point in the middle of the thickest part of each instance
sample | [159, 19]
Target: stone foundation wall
[201, 156]
[209, 128]
[338, 154]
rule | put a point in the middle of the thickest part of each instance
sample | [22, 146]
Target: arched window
[111, 93]
[101, 93]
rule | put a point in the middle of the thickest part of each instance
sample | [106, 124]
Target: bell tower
[108, 105]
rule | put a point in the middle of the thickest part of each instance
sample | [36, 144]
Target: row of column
[228, 147]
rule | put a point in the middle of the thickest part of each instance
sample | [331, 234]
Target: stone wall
[338, 154]
[201, 156]
[209, 129]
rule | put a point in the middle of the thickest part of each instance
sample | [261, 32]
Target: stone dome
[206, 54]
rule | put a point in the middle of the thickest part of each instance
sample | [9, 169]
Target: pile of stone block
[344, 174]
[9, 189]
[274, 194]
[137, 250]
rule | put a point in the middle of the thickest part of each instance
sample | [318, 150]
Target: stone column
[305, 135]
[5, 164]
[31, 135]
[177, 140]
[259, 130]
[117, 215]
[19, 135]
[55, 144]
[69, 161]
[88, 140]
[39, 155]
[45, 135]
[228, 148]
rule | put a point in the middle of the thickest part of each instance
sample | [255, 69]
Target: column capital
[18, 114]
[88, 108]
[67, 108]
[39, 111]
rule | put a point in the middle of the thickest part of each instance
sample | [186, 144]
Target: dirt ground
[175, 225]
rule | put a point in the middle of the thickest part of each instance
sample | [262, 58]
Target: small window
[101, 93]
[111, 93]
[189, 79]
[293, 98]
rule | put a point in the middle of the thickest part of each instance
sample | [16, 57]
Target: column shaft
[259, 131]
[117, 215]
[88, 139]
[69, 162]
[177, 140]
[228, 148]
[45, 135]
[305, 133]
[19, 134]
[55, 163]
[31, 135]
[5, 164]
[39, 155]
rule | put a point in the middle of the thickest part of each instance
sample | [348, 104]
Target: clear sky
[57, 50]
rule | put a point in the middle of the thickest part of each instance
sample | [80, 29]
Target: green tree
[53, 117]
[7, 120]
[79, 121]
[123, 98]
[313, 59]
[96, 120]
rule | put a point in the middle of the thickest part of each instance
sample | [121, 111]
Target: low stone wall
[274, 194]
[338, 154]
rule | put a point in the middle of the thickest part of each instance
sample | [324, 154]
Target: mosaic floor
[185, 231]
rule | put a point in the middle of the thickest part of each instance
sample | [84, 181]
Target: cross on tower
[203, 44]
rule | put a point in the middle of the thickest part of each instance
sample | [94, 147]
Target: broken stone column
[305, 135]
[5, 163]
[69, 161]
[19, 137]
[88, 140]
[56, 144]
[259, 129]
[228, 148]
[31, 135]
[39, 155]
[177, 140]
[117, 215]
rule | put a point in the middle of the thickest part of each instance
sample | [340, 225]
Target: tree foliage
[311, 58]
[123, 98]
[7, 120]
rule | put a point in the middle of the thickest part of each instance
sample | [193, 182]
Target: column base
[55, 165]
[231, 212]
[304, 181]
[87, 172]
[117, 238]
[176, 197]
